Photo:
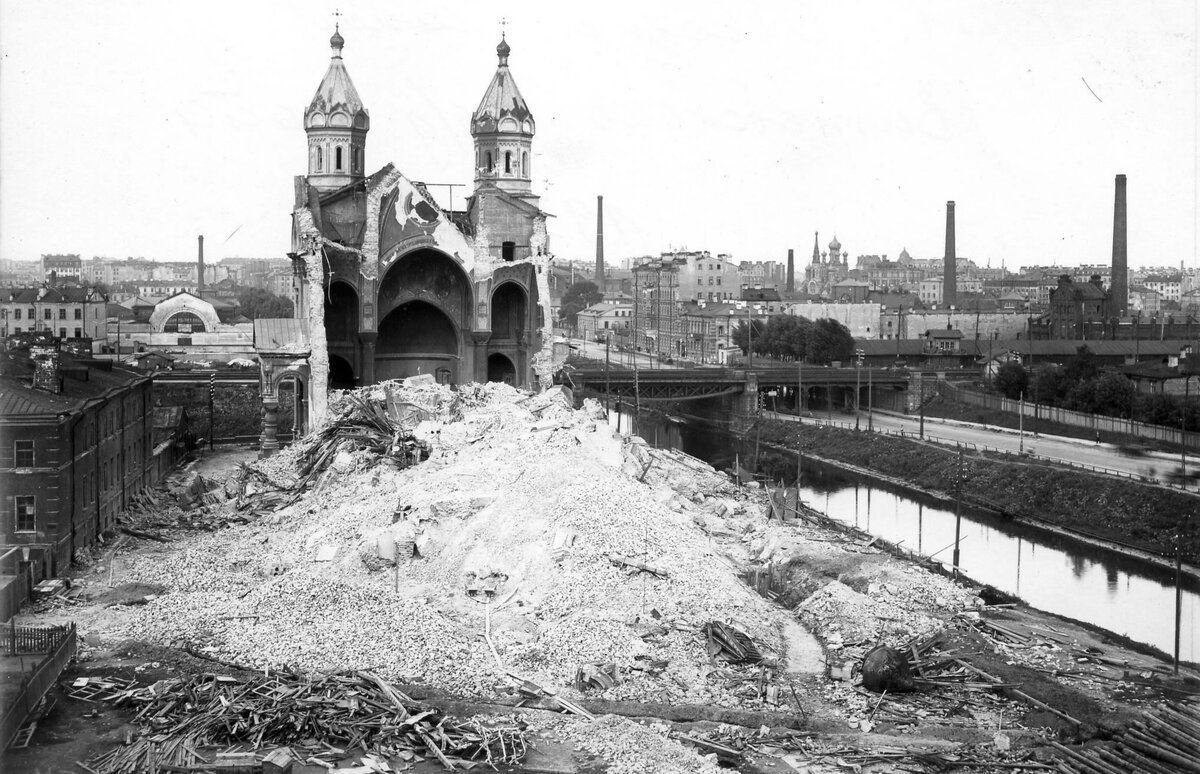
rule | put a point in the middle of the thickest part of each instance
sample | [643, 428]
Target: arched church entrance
[341, 373]
[341, 325]
[501, 369]
[424, 302]
[416, 338]
[508, 313]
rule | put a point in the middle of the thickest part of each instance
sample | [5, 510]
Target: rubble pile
[524, 542]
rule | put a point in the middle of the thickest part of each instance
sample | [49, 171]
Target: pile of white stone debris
[534, 541]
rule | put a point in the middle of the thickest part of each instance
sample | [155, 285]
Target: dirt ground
[1083, 683]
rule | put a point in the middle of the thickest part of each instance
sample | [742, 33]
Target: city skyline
[741, 135]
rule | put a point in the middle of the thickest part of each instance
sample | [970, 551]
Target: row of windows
[339, 159]
[710, 280]
[62, 332]
[47, 314]
[512, 165]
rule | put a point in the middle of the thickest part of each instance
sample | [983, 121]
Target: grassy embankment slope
[1141, 515]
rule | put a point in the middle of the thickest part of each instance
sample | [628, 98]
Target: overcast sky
[127, 128]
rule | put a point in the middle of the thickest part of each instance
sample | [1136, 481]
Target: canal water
[1051, 573]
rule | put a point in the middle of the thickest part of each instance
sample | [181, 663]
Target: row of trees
[1080, 385]
[788, 337]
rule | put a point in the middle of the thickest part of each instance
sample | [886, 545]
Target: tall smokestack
[791, 277]
[200, 266]
[950, 269]
[600, 243]
[1120, 255]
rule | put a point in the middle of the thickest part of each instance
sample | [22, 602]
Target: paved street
[1072, 451]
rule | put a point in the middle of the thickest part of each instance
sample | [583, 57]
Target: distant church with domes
[398, 284]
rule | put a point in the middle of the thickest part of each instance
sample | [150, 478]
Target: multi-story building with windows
[69, 312]
[75, 446]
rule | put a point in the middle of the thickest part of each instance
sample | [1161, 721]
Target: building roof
[336, 92]
[19, 399]
[1080, 291]
[502, 100]
[605, 306]
[63, 294]
[280, 334]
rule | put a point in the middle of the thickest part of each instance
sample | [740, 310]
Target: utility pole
[1021, 424]
[958, 508]
[799, 386]
[922, 406]
[870, 401]
[857, 384]
[607, 386]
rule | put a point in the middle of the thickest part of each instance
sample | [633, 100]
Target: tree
[1051, 385]
[1012, 380]
[1082, 367]
[576, 298]
[256, 303]
[829, 340]
[1114, 395]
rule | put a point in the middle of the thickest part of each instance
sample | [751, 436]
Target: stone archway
[341, 333]
[341, 373]
[501, 369]
[416, 338]
[509, 309]
[425, 301]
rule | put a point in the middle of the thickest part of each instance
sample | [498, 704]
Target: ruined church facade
[395, 284]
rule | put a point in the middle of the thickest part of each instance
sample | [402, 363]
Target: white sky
[127, 128]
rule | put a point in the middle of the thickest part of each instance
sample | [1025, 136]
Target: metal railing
[36, 684]
[1064, 416]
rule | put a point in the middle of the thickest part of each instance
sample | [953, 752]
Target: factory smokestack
[950, 269]
[791, 276]
[200, 266]
[600, 243]
[1120, 254]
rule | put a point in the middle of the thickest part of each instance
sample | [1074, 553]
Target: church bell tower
[503, 129]
[336, 123]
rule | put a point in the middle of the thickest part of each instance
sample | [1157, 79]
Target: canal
[1052, 573]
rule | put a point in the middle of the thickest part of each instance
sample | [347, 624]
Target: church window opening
[508, 251]
[337, 158]
[488, 165]
[525, 163]
[508, 162]
[320, 158]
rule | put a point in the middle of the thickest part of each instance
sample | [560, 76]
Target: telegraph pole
[958, 508]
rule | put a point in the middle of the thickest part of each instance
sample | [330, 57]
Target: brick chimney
[1120, 253]
[46, 372]
[791, 275]
[600, 243]
[200, 266]
[950, 269]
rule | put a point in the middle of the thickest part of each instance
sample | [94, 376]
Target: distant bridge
[676, 384]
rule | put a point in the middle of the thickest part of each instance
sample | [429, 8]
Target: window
[25, 509]
[48, 314]
[79, 333]
[32, 313]
[488, 165]
[16, 314]
[17, 329]
[508, 162]
[62, 333]
[337, 158]
[23, 454]
[718, 280]
[320, 158]
[525, 163]
[183, 322]
[62, 313]
[78, 314]
[508, 251]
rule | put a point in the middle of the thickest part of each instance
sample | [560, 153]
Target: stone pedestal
[270, 432]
